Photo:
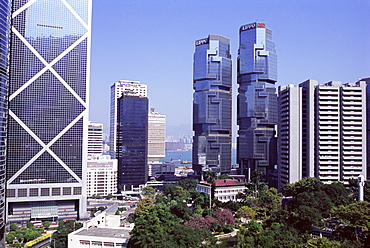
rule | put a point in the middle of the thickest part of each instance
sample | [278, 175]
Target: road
[124, 216]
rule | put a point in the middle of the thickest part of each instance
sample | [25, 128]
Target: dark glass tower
[212, 103]
[257, 100]
[48, 101]
[4, 44]
[132, 141]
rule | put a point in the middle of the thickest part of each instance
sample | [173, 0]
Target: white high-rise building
[289, 126]
[321, 131]
[130, 88]
[156, 136]
[95, 139]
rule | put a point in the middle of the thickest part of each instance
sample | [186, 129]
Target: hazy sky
[152, 41]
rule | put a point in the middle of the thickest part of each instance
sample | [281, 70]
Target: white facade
[156, 136]
[328, 132]
[353, 129]
[102, 231]
[290, 126]
[101, 175]
[95, 139]
[321, 131]
[131, 88]
[226, 189]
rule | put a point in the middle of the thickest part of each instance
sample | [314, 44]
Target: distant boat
[186, 162]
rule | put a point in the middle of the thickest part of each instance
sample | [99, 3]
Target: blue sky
[152, 41]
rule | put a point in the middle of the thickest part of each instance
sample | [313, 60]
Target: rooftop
[226, 182]
[105, 232]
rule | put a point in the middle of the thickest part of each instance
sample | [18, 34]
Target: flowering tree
[224, 217]
[220, 219]
[200, 222]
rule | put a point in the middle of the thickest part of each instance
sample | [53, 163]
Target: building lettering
[201, 42]
[253, 26]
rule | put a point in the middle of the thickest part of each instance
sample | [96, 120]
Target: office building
[48, 109]
[133, 88]
[321, 131]
[5, 9]
[212, 105]
[257, 101]
[95, 139]
[101, 175]
[156, 136]
[132, 141]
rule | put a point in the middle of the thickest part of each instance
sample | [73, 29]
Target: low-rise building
[226, 189]
[102, 231]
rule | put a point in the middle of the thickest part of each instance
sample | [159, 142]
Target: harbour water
[179, 156]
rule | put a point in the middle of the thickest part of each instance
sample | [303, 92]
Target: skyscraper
[156, 136]
[48, 101]
[117, 89]
[257, 100]
[5, 9]
[321, 131]
[95, 139]
[132, 141]
[212, 105]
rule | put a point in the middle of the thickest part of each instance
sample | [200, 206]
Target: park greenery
[30, 235]
[18, 237]
[307, 213]
[179, 216]
[60, 237]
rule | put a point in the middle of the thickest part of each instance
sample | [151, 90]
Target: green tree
[10, 238]
[354, 220]
[321, 243]
[254, 186]
[223, 176]
[181, 210]
[231, 205]
[311, 202]
[338, 193]
[144, 206]
[59, 238]
[270, 200]
[187, 183]
[306, 184]
[254, 228]
[188, 237]
[173, 192]
[247, 237]
[13, 226]
[246, 213]
[147, 231]
[280, 235]
[199, 199]
[46, 224]
[148, 192]
[30, 224]
[31, 234]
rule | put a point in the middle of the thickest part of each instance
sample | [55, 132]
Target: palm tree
[210, 177]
